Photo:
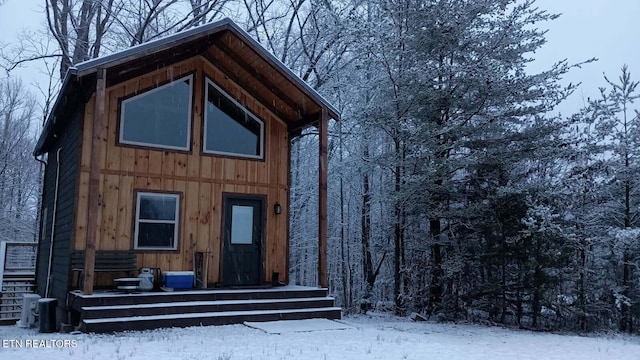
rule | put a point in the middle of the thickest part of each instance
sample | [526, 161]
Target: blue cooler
[178, 279]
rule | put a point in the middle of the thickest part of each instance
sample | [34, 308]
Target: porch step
[107, 299]
[187, 307]
[204, 319]
[110, 312]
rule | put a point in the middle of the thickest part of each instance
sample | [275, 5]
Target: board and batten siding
[67, 140]
[201, 179]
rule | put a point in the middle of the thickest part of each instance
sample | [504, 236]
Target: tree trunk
[365, 236]
[582, 295]
[626, 319]
[398, 238]
[343, 252]
[435, 288]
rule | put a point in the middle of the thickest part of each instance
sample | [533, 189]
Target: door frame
[242, 196]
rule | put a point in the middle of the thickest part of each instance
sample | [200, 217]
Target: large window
[229, 128]
[160, 117]
[157, 217]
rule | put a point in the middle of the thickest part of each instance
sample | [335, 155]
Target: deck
[112, 312]
[17, 277]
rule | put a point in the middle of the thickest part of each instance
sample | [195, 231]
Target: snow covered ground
[368, 337]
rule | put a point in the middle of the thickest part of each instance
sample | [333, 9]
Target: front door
[242, 240]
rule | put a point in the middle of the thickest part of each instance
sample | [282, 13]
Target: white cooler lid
[178, 273]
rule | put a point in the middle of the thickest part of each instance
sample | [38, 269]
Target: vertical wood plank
[215, 243]
[241, 170]
[94, 180]
[252, 172]
[154, 183]
[155, 162]
[283, 157]
[183, 239]
[194, 158]
[204, 223]
[262, 174]
[81, 211]
[113, 156]
[139, 183]
[271, 246]
[126, 205]
[127, 159]
[230, 169]
[274, 152]
[87, 136]
[108, 223]
[168, 163]
[181, 164]
[283, 236]
[217, 168]
[206, 167]
[168, 260]
[192, 212]
[142, 161]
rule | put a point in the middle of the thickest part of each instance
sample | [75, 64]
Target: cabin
[174, 156]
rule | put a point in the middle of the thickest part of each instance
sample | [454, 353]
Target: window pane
[230, 128]
[159, 117]
[157, 207]
[241, 224]
[156, 235]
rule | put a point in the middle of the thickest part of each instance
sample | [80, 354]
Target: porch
[103, 312]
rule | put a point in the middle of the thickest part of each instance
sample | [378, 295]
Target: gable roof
[223, 43]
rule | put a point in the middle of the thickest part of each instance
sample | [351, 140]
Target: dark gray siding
[68, 139]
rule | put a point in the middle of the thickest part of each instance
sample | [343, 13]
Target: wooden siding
[200, 179]
[68, 139]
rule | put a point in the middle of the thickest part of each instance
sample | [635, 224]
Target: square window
[157, 217]
[229, 128]
[160, 117]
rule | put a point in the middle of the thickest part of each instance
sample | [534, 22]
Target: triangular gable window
[229, 128]
[160, 117]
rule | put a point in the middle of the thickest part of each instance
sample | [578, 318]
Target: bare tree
[18, 171]
[86, 29]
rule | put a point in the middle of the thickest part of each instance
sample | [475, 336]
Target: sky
[604, 29]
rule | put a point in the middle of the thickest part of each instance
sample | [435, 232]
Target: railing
[17, 276]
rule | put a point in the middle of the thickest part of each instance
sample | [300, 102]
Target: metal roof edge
[156, 45]
[333, 112]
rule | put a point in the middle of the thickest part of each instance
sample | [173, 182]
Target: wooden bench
[106, 261]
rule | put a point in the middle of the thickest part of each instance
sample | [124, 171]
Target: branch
[17, 63]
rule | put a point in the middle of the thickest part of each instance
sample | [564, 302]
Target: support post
[323, 278]
[99, 119]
